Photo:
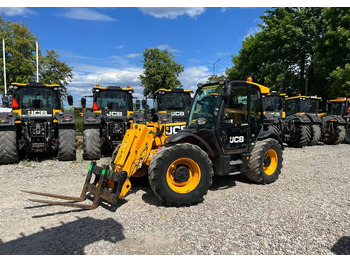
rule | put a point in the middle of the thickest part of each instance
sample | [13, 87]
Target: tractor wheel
[338, 137]
[274, 129]
[180, 175]
[315, 135]
[8, 147]
[91, 144]
[301, 138]
[66, 145]
[347, 137]
[265, 162]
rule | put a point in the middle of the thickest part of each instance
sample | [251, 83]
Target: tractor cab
[175, 102]
[37, 99]
[302, 104]
[111, 101]
[339, 106]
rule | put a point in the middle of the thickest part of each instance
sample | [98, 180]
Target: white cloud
[172, 12]
[134, 55]
[252, 31]
[224, 9]
[169, 48]
[194, 75]
[223, 53]
[120, 46]
[14, 11]
[85, 14]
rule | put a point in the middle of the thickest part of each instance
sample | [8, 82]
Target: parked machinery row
[298, 121]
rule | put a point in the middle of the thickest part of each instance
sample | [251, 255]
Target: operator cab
[302, 104]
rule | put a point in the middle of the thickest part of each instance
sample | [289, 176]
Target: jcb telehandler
[105, 126]
[224, 136]
[337, 121]
[37, 123]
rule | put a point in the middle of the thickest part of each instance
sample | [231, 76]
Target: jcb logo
[112, 113]
[38, 112]
[236, 139]
[177, 113]
[170, 130]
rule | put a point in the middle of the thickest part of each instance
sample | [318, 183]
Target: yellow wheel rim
[270, 162]
[183, 175]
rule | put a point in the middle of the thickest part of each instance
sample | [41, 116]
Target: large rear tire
[274, 129]
[91, 144]
[265, 163]
[66, 145]
[8, 147]
[338, 137]
[301, 138]
[347, 137]
[315, 135]
[180, 175]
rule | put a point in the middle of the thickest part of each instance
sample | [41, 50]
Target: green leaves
[20, 45]
[160, 71]
[299, 50]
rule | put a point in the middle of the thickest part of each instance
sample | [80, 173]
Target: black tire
[338, 137]
[315, 135]
[265, 163]
[302, 137]
[8, 147]
[66, 145]
[274, 129]
[347, 137]
[91, 144]
[180, 175]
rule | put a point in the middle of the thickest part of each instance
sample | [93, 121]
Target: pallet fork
[107, 185]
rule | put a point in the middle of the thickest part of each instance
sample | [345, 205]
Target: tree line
[297, 51]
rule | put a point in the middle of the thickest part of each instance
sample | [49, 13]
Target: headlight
[202, 121]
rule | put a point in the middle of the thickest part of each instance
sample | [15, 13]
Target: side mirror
[5, 101]
[70, 100]
[144, 103]
[138, 104]
[83, 102]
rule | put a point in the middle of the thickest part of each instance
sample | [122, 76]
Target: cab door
[241, 119]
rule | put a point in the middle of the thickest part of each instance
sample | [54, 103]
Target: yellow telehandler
[223, 136]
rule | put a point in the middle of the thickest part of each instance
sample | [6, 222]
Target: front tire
[91, 144]
[180, 175]
[66, 145]
[8, 147]
[301, 137]
[336, 138]
[265, 163]
[315, 135]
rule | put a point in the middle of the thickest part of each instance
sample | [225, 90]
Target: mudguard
[65, 118]
[314, 118]
[303, 119]
[8, 119]
[335, 118]
[92, 118]
[268, 134]
[183, 135]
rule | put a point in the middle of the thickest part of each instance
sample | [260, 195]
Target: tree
[298, 50]
[215, 78]
[160, 71]
[20, 55]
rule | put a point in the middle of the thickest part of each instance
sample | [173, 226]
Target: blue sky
[105, 45]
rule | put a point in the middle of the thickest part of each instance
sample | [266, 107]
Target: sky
[104, 45]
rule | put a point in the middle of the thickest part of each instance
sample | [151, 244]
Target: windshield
[292, 106]
[336, 108]
[173, 101]
[205, 106]
[38, 98]
[113, 99]
[311, 106]
[273, 103]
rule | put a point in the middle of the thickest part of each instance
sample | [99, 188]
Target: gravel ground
[305, 212]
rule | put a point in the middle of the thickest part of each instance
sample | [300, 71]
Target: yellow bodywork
[140, 143]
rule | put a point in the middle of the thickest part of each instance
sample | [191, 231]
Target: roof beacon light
[249, 79]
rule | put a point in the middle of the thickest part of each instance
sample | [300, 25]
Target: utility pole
[3, 51]
[214, 66]
[37, 62]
